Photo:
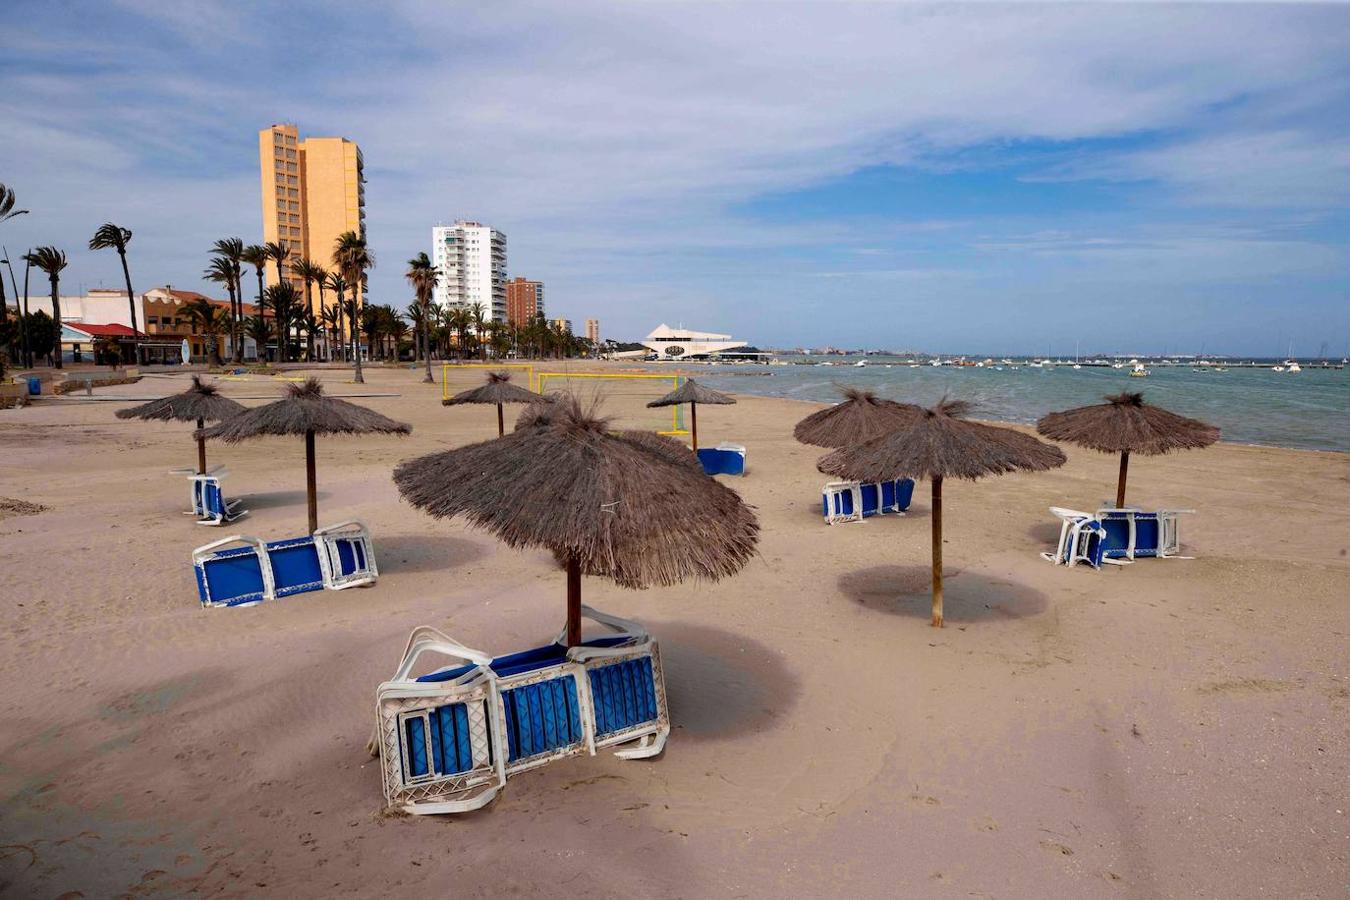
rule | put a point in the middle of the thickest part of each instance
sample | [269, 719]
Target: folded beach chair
[1115, 536]
[449, 739]
[1132, 533]
[195, 489]
[210, 504]
[724, 459]
[336, 557]
[849, 501]
[1080, 539]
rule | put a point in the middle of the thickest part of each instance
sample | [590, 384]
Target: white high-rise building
[472, 260]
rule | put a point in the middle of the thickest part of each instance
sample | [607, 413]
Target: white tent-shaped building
[681, 343]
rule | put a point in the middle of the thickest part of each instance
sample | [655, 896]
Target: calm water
[1310, 410]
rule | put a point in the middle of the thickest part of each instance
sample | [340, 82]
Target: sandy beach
[1173, 728]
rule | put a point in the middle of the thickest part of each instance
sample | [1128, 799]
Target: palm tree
[259, 329]
[256, 256]
[352, 258]
[458, 320]
[278, 252]
[221, 272]
[338, 285]
[7, 211]
[51, 261]
[478, 314]
[283, 300]
[208, 320]
[328, 315]
[115, 237]
[307, 322]
[232, 250]
[309, 272]
[422, 275]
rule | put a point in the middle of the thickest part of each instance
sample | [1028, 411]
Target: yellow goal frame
[677, 411]
[447, 368]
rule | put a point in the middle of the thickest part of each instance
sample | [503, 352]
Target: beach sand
[1172, 728]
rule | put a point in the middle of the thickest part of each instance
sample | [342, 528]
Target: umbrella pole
[1120, 484]
[937, 552]
[501, 423]
[573, 600]
[311, 486]
[693, 422]
[201, 450]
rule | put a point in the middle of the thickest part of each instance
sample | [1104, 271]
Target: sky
[980, 178]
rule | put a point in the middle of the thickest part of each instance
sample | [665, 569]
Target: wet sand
[1173, 728]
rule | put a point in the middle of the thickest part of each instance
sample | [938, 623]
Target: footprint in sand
[1056, 847]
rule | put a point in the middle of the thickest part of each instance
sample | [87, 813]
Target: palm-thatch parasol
[859, 418]
[202, 402]
[1125, 424]
[693, 393]
[305, 410]
[497, 389]
[940, 443]
[616, 506]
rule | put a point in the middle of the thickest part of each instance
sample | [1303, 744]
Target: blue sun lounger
[851, 501]
[1115, 536]
[240, 570]
[210, 504]
[448, 740]
[724, 459]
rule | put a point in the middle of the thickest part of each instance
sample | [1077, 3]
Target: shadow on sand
[278, 499]
[720, 684]
[424, 553]
[1045, 533]
[967, 596]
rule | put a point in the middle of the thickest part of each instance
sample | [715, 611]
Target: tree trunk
[573, 601]
[501, 422]
[311, 483]
[27, 345]
[262, 313]
[56, 314]
[937, 552]
[201, 450]
[341, 329]
[356, 354]
[693, 423]
[426, 343]
[1120, 484]
[131, 304]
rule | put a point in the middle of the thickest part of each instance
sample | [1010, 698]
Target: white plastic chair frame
[402, 698]
[194, 489]
[326, 540]
[835, 489]
[230, 508]
[1169, 534]
[1075, 530]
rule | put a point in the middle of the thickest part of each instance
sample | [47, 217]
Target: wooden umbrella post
[573, 600]
[937, 552]
[1120, 485]
[501, 422]
[201, 450]
[311, 483]
[693, 422]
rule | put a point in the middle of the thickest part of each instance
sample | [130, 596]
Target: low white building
[682, 343]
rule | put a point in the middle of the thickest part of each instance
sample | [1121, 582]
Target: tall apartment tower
[524, 300]
[593, 331]
[312, 191]
[472, 260]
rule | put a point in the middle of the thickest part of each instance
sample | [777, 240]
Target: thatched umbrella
[497, 389]
[859, 418]
[1125, 424]
[605, 503]
[693, 393]
[304, 410]
[940, 443]
[202, 402]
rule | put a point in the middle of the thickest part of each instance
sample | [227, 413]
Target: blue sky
[985, 178]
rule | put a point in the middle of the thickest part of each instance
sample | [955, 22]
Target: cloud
[613, 143]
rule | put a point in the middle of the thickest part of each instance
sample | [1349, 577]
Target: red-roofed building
[165, 318]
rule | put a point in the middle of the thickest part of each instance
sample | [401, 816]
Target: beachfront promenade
[1174, 728]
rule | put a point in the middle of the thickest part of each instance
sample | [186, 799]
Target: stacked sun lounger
[852, 501]
[240, 570]
[724, 459]
[449, 739]
[1115, 536]
[208, 501]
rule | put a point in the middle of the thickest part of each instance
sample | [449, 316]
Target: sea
[1308, 410]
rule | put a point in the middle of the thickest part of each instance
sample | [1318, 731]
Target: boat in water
[1139, 371]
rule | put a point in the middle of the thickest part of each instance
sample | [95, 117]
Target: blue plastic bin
[34, 386]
